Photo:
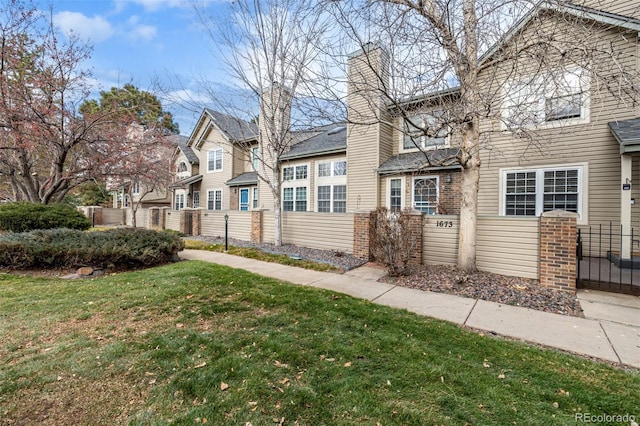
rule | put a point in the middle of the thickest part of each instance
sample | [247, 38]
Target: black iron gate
[608, 259]
[188, 222]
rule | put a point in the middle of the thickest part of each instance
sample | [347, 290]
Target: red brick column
[195, 221]
[558, 263]
[415, 229]
[362, 235]
[256, 226]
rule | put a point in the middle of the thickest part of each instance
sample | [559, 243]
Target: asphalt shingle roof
[324, 140]
[420, 161]
[247, 178]
[627, 133]
[236, 129]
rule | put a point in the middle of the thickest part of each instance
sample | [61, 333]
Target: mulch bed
[513, 291]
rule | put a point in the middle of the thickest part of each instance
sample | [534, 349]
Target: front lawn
[196, 343]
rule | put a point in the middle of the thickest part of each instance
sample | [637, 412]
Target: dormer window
[424, 131]
[182, 167]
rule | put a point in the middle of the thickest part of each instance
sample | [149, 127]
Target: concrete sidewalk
[610, 331]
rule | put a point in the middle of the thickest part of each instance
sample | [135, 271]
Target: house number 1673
[444, 224]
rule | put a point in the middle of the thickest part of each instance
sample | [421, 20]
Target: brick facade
[362, 235]
[256, 226]
[558, 263]
[416, 228]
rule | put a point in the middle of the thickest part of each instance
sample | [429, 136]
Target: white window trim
[583, 182]
[331, 197]
[295, 196]
[179, 193]
[413, 181]
[585, 114]
[214, 201]
[255, 198]
[332, 164]
[221, 160]
[403, 186]
[295, 179]
[403, 123]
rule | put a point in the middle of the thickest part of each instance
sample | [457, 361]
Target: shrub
[66, 248]
[393, 242]
[23, 217]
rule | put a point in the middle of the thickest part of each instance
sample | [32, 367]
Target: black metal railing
[608, 259]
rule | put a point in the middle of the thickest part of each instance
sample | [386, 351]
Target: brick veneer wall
[558, 263]
[362, 235]
[415, 229]
[256, 226]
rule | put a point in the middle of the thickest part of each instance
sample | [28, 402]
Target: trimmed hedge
[66, 248]
[24, 217]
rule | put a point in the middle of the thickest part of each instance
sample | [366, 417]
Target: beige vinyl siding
[324, 231]
[365, 106]
[111, 216]
[173, 220]
[239, 226]
[440, 243]
[629, 8]
[508, 246]
[268, 227]
[216, 179]
[141, 217]
[590, 143]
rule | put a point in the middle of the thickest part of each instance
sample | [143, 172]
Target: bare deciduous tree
[470, 58]
[268, 48]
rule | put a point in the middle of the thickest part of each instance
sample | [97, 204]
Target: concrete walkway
[609, 331]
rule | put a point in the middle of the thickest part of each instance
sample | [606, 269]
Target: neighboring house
[581, 161]
[127, 192]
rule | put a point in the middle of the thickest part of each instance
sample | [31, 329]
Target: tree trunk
[468, 218]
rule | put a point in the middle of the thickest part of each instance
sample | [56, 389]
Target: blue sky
[141, 41]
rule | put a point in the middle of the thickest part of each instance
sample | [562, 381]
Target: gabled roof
[184, 183]
[247, 178]
[567, 8]
[437, 159]
[191, 156]
[330, 139]
[235, 128]
[627, 133]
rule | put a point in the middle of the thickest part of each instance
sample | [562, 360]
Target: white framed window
[254, 197]
[432, 123]
[533, 191]
[557, 97]
[214, 160]
[136, 188]
[214, 199]
[196, 199]
[332, 198]
[395, 193]
[178, 203]
[182, 167]
[294, 199]
[332, 168]
[255, 158]
[290, 173]
[424, 190]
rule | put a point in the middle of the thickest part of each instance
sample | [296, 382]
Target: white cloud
[140, 31]
[96, 29]
[152, 5]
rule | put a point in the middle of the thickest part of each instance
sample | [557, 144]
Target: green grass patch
[254, 253]
[193, 342]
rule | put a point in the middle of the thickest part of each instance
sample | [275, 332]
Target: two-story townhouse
[580, 157]
[212, 171]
